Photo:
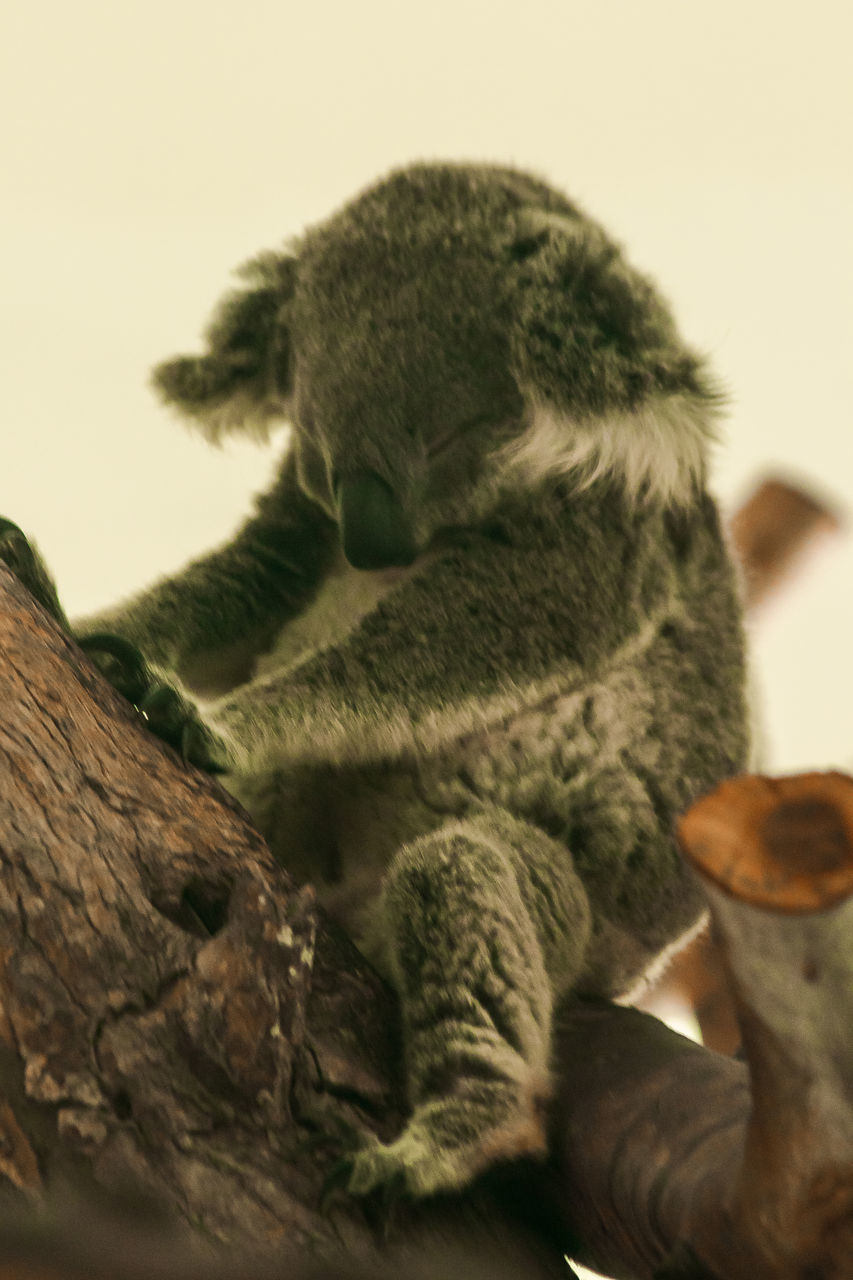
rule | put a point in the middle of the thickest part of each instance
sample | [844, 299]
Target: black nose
[375, 531]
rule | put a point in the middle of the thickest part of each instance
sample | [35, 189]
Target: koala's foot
[448, 1142]
[28, 567]
[169, 713]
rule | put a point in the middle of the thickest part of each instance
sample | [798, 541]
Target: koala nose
[375, 531]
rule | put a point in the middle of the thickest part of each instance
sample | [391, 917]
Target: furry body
[476, 742]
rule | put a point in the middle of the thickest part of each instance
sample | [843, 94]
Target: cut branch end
[785, 844]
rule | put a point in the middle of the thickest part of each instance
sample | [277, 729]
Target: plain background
[151, 145]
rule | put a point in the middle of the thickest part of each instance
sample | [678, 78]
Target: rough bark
[166, 1019]
[177, 1023]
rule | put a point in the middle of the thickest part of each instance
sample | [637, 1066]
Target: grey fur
[476, 749]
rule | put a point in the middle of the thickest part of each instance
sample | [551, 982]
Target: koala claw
[385, 1196]
[26, 564]
[121, 662]
[15, 552]
[10, 530]
[447, 1143]
[166, 711]
[177, 721]
[336, 1182]
[380, 1167]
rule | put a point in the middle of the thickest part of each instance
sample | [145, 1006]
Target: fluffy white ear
[242, 382]
[657, 451]
[612, 388]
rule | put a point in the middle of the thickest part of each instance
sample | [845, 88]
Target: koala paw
[168, 713]
[30, 570]
[178, 721]
[446, 1145]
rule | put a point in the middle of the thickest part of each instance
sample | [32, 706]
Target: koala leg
[486, 921]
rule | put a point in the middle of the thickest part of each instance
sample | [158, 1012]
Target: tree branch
[668, 1150]
[164, 1012]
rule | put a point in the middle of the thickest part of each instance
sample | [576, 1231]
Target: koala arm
[206, 624]
[461, 643]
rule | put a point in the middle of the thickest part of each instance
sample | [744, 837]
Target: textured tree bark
[175, 1022]
[166, 1019]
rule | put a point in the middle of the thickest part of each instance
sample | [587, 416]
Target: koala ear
[610, 386]
[241, 383]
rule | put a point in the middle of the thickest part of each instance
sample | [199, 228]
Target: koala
[481, 641]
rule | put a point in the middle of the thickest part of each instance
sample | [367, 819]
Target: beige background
[150, 145]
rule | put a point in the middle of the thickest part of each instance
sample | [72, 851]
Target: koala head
[454, 332]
